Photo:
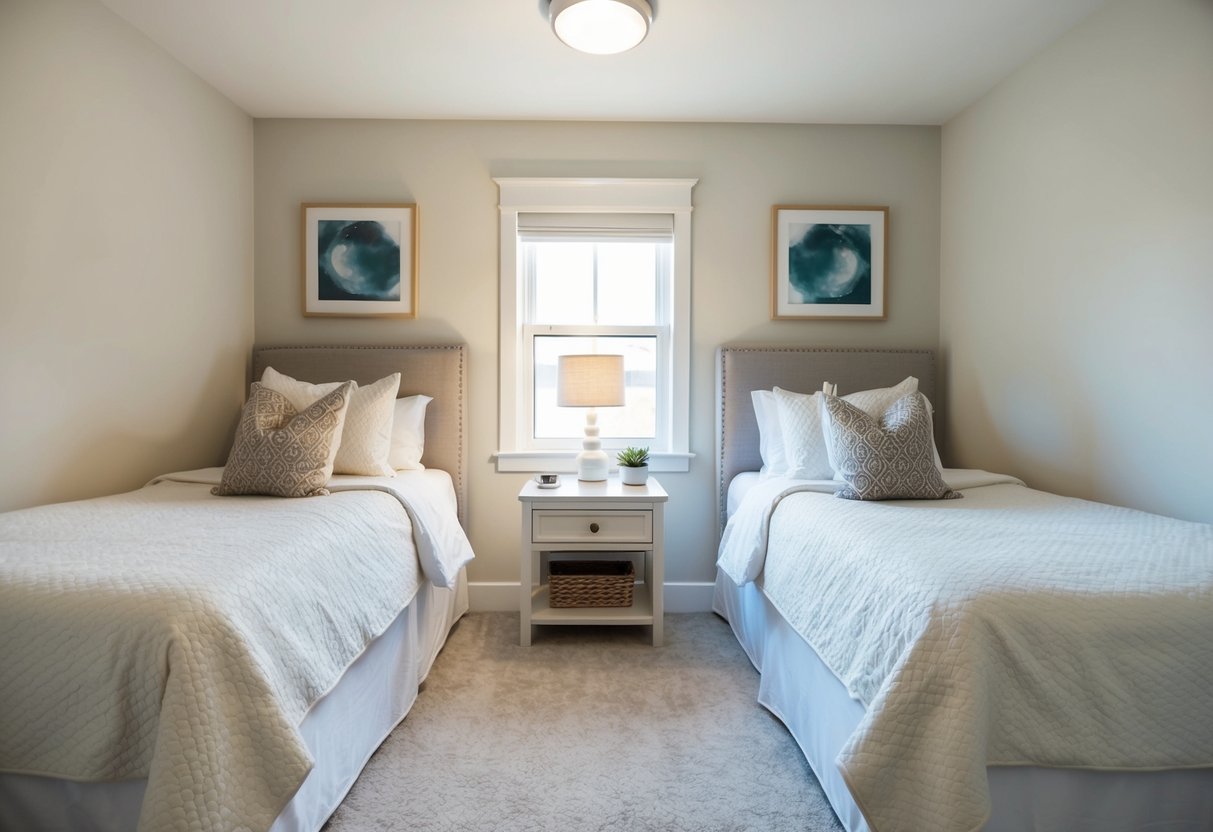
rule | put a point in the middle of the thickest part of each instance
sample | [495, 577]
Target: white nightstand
[605, 520]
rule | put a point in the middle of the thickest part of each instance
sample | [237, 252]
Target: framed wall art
[360, 260]
[829, 262]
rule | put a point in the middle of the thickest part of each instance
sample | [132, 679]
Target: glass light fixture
[601, 27]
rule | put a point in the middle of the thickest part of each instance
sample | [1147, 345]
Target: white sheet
[738, 488]
[1078, 625]
[182, 637]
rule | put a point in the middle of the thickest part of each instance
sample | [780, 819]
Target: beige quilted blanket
[171, 635]
[1010, 627]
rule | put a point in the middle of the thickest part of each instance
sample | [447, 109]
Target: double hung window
[588, 279]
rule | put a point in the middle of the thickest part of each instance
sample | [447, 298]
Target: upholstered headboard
[439, 371]
[741, 369]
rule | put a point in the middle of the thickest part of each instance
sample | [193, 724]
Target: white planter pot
[633, 476]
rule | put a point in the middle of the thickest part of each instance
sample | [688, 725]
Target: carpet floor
[589, 729]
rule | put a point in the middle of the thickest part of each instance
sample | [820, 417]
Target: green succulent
[633, 457]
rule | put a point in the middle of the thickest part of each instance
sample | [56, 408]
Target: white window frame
[516, 449]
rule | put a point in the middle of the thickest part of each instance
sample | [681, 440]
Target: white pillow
[408, 433]
[366, 439]
[770, 437]
[803, 440]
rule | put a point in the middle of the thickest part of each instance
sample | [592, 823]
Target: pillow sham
[365, 443]
[884, 458]
[803, 445]
[408, 433]
[281, 452]
[770, 437]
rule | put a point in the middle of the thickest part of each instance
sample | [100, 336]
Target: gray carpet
[589, 729]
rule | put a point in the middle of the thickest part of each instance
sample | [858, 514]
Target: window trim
[596, 196]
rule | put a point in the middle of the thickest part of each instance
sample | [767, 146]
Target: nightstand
[600, 521]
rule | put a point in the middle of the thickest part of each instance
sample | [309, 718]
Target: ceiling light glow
[601, 27]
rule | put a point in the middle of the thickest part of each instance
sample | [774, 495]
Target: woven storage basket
[591, 583]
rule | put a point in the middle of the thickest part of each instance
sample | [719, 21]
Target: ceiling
[794, 61]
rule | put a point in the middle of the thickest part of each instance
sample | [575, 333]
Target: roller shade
[535, 227]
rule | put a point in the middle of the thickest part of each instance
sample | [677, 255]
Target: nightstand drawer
[566, 526]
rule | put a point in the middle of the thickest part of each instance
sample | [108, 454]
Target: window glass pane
[564, 283]
[636, 420]
[627, 284]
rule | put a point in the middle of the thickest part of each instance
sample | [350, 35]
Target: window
[579, 276]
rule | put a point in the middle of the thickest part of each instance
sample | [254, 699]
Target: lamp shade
[601, 27]
[589, 381]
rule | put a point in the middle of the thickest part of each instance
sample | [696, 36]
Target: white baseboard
[689, 596]
[502, 596]
[493, 596]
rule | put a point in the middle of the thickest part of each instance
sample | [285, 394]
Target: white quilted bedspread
[1011, 627]
[180, 637]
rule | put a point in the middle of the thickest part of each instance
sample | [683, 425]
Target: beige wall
[126, 232]
[1077, 257]
[446, 167]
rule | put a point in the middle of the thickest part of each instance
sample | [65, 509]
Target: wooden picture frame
[360, 261]
[829, 262]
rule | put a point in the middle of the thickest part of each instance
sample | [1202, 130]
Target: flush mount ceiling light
[601, 27]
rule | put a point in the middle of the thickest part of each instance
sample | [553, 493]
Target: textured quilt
[1013, 627]
[176, 636]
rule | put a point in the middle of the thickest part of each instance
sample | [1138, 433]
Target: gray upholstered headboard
[433, 370]
[741, 369]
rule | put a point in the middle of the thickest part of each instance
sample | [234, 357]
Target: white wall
[447, 168]
[126, 232]
[1077, 264]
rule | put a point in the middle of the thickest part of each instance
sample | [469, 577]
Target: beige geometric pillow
[890, 458]
[280, 452]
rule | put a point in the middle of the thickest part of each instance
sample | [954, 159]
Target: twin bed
[1012, 660]
[173, 659]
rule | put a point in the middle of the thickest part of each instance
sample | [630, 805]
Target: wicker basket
[591, 583]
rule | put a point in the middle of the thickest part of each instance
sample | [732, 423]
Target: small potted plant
[633, 465]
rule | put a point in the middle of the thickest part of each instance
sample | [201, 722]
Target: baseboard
[493, 596]
[502, 596]
[689, 596]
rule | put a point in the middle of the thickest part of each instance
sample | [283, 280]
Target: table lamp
[590, 381]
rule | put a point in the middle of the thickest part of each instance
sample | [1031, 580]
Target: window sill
[565, 462]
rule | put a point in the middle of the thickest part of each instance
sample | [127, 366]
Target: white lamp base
[592, 466]
[592, 462]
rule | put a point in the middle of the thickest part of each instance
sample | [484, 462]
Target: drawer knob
[593, 528]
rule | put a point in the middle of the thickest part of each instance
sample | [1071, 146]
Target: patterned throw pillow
[281, 453]
[890, 458]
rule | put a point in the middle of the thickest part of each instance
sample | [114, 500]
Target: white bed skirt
[342, 731]
[798, 688]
